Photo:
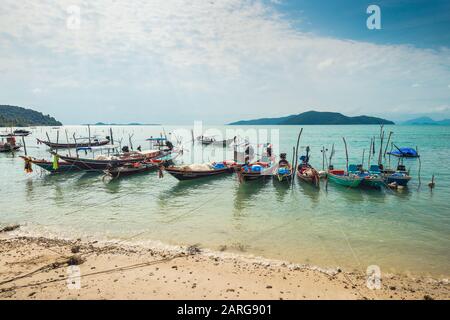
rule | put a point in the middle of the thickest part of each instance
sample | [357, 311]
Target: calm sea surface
[400, 231]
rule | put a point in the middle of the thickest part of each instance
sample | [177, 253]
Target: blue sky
[420, 23]
[176, 61]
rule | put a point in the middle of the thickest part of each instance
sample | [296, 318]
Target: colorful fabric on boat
[28, 165]
[219, 166]
[55, 162]
[283, 170]
[256, 168]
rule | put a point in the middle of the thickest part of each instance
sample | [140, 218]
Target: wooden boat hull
[311, 176]
[63, 166]
[53, 145]
[286, 177]
[98, 165]
[125, 171]
[375, 183]
[191, 175]
[399, 180]
[346, 181]
[9, 148]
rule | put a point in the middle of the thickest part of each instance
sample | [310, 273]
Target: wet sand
[37, 268]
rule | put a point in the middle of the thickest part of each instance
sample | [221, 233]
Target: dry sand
[37, 268]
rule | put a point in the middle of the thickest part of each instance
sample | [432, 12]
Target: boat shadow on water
[310, 191]
[246, 193]
[189, 187]
[282, 188]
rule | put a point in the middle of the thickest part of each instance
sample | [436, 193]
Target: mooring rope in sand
[108, 271]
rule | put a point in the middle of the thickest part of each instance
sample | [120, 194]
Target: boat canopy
[156, 139]
[95, 148]
[405, 152]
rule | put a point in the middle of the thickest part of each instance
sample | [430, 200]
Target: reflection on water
[311, 191]
[245, 194]
[282, 189]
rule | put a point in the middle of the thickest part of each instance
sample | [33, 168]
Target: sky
[176, 61]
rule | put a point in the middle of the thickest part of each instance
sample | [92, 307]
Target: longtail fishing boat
[259, 169]
[101, 163]
[55, 166]
[283, 171]
[8, 143]
[399, 177]
[372, 177]
[84, 144]
[343, 178]
[196, 171]
[129, 168]
[306, 173]
[116, 170]
[212, 141]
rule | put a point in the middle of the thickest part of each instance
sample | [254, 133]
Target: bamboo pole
[346, 153]
[323, 158]
[362, 162]
[57, 140]
[111, 135]
[331, 154]
[296, 154]
[24, 145]
[381, 148]
[387, 143]
[370, 153]
[89, 132]
[67, 139]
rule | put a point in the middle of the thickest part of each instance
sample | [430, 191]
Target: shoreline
[114, 270]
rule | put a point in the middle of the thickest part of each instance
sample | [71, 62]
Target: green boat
[342, 178]
[372, 178]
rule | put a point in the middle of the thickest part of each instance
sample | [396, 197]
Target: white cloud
[325, 64]
[227, 55]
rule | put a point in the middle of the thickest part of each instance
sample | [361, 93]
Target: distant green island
[125, 124]
[13, 116]
[315, 118]
[427, 121]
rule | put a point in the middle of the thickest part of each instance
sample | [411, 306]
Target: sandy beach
[38, 268]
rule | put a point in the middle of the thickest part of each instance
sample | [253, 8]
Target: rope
[108, 271]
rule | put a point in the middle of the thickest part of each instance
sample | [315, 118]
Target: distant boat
[196, 171]
[8, 143]
[21, 132]
[212, 141]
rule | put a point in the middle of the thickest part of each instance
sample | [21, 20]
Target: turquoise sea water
[405, 231]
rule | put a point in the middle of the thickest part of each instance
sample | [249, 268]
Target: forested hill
[12, 116]
[314, 117]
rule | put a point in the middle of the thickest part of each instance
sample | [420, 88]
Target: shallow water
[400, 231]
